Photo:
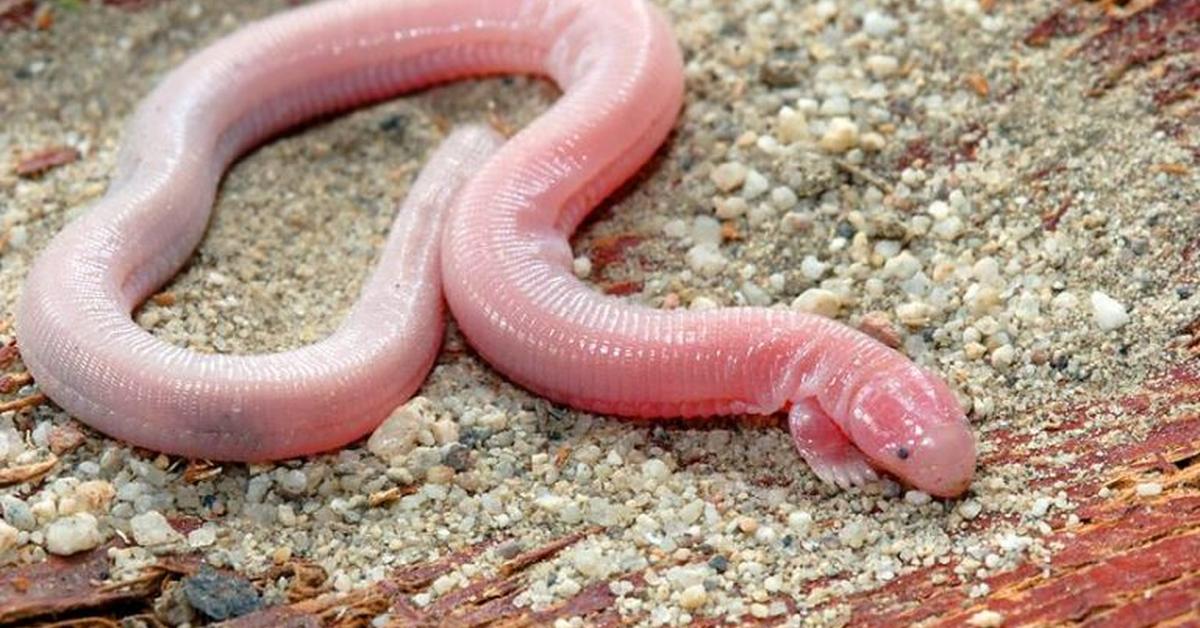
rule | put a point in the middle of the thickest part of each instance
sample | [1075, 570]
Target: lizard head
[907, 421]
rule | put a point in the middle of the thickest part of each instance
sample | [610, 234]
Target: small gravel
[1109, 313]
[729, 176]
[818, 301]
[220, 596]
[152, 528]
[986, 619]
[73, 534]
[693, 597]
[840, 136]
[9, 537]
[1149, 489]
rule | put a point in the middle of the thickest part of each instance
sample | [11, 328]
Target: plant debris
[27, 401]
[47, 159]
[27, 472]
[58, 586]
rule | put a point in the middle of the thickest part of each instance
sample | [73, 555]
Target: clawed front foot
[828, 452]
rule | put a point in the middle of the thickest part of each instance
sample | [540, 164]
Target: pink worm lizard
[503, 258]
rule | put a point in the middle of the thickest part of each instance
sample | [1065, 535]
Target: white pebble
[691, 511]
[902, 266]
[882, 66]
[755, 185]
[825, 10]
[1064, 301]
[986, 270]
[783, 198]
[773, 583]
[835, 106]
[948, 228]
[767, 144]
[582, 266]
[853, 534]
[45, 510]
[1108, 313]
[8, 537]
[1027, 308]
[877, 24]
[799, 522]
[693, 597]
[292, 481]
[686, 576]
[760, 215]
[18, 236]
[73, 534]
[840, 136]
[1149, 489]
[95, 495]
[813, 268]
[914, 314]
[986, 618]
[705, 259]
[765, 535]
[202, 537]
[755, 295]
[872, 142]
[1014, 544]
[601, 512]
[398, 434]
[445, 431]
[818, 301]
[1003, 356]
[939, 210]
[591, 563]
[550, 502]
[440, 586]
[959, 201]
[151, 528]
[12, 442]
[874, 287]
[970, 509]
[675, 228]
[731, 207]
[969, 8]
[728, 176]
[917, 498]
[912, 177]
[655, 470]
[342, 582]
[792, 127]
[706, 230]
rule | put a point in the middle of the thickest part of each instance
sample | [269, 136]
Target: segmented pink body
[505, 254]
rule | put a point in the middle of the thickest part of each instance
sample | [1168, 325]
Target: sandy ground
[978, 195]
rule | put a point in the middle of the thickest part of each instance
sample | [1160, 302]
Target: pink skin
[854, 404]
[87, 354]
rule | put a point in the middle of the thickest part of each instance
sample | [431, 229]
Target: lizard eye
[902, 453]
